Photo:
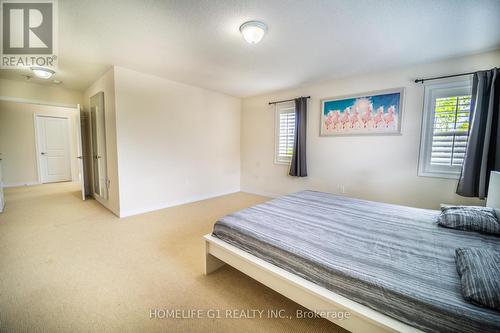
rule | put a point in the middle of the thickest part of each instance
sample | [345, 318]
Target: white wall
[17, 140]
[39, 92]
[106, 84]
[176, 143]
[382, 168]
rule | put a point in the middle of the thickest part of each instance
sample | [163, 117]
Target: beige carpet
[67, 265]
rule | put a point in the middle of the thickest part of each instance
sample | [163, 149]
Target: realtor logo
[28, 33]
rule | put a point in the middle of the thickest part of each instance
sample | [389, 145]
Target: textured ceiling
[198, 42]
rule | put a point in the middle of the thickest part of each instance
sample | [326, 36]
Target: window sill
[434, 174]
[282, 162]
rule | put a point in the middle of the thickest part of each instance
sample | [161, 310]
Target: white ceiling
[198, 42]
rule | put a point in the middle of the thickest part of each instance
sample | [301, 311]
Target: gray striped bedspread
[391, 258]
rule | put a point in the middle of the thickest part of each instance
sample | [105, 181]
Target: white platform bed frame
[301, 291]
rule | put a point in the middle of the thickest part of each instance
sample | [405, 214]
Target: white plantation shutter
[450, 130]
[285, 131]
[445, 129]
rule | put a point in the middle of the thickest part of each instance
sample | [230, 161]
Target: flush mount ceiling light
[253, 31]
[42, 73]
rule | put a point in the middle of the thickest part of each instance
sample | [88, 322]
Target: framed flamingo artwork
[378, 112]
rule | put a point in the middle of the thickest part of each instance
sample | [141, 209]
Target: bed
[391, 267]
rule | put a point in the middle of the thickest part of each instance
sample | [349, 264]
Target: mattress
[393, 259]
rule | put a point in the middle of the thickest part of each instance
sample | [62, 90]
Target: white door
[53, 149]
[2, 200]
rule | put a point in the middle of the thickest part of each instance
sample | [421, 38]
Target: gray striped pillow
[479, 271]
[471, 218]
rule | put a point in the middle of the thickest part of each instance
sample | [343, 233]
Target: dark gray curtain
[483, 149]
[298, 168]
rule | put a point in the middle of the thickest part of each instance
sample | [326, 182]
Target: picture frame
[371, 113]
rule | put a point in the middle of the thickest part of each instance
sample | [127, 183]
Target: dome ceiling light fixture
[42, 72]
[253, 31]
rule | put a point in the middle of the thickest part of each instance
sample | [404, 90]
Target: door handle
[79, 157]
[43, 153]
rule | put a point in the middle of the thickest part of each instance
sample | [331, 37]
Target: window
[445, 129]
[285, 132]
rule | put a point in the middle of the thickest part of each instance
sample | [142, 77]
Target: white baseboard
[262, 193]
[137, 211]
[21, 184]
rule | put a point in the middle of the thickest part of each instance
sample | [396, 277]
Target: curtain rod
[442, 77]
[287, 100]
